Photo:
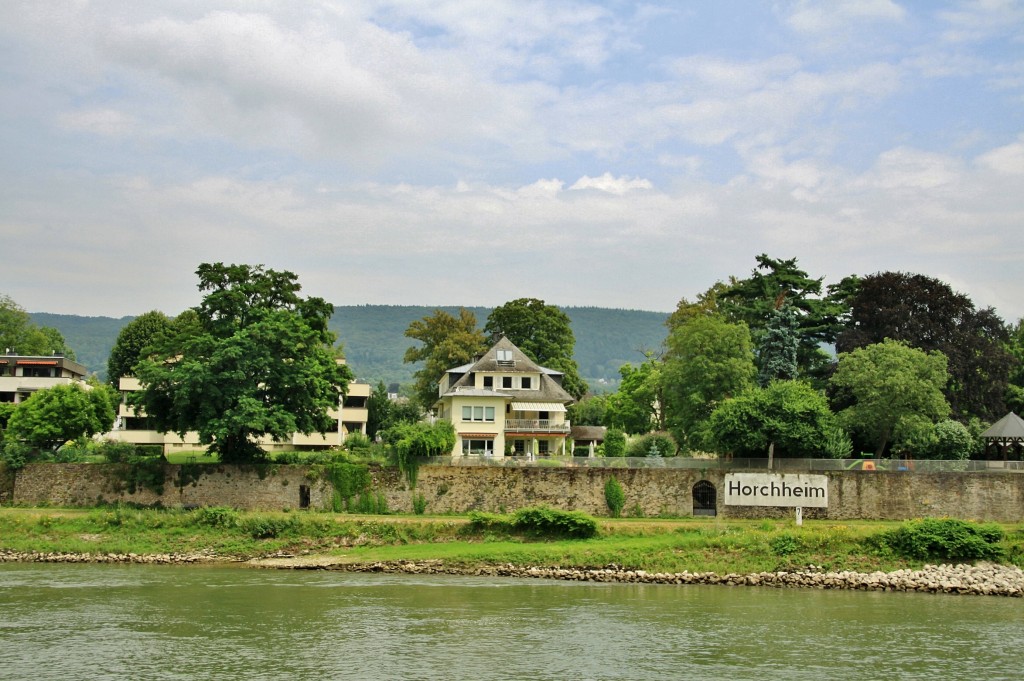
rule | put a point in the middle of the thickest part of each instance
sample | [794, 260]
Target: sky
[471, 152]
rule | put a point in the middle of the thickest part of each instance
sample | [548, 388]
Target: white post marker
[799, 515]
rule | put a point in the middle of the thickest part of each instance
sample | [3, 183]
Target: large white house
[505, 403]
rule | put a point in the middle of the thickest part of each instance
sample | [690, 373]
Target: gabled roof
[1007, 428]
[514, 361]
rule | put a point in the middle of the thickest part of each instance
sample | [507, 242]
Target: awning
[477, 436]
[538, 406]
[38, 363]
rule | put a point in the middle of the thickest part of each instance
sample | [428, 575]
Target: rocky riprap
[985, 579]
[141, 558]
[981, 580]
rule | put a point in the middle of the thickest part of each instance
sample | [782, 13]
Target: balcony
[536, 426]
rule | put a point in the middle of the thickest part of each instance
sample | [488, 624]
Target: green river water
[152, 622]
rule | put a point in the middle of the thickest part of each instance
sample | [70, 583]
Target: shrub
[288, 458]
[614, 443]
[652, 444]
[116, 452]
[784, 545]
[943, 539]
[267, 526]
[481, 521]
[614, 496]
[548, 522]
[216, 516]
[419, 504]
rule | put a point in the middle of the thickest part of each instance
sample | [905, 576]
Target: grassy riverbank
[713, 545]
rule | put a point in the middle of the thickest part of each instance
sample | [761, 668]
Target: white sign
[776, 489]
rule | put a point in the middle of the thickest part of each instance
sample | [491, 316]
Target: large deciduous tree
[1015, 388]
[636, 406]
[255, 359]
[446, 341]
[789, 417]
[708, 361]
[927, 314]
[894, 392]
[20, 335]
[132, 340]
[51, 417]
[544, 333]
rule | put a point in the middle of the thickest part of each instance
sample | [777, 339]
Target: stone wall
[457, 489]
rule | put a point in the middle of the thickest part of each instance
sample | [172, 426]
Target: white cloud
[612, 185]
[906, 168]
[103, 121]
[812, 17]
[1007, 159]
[978, 20]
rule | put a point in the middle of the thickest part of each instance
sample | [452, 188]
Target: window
[506, 381]
[542, 447]
[485, 414]
[525, 382]
[488, 381]
[477, 448]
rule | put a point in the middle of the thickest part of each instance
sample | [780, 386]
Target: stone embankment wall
[457, 489]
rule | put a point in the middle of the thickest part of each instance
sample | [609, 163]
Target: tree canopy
[773, 284]
[132, 340]
[255, 359]
[636, 406]
[446, 341]
[544, 333]
[893, 391]
[19, 335]
[791, 415]
[53, 416]
[927, 314]
[708, 361]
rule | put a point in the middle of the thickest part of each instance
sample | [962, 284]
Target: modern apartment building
[22, 375]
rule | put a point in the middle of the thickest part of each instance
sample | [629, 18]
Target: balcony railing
[536, 426]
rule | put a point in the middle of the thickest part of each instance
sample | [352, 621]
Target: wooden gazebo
[1006, 437]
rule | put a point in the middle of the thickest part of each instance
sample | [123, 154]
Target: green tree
[635, 406]
[779, 347]
[708, 361]
[53, 416]
[774, 283]
[544, 333]
[378, 410]
[894, 391]
[254, 360]
[590, 411]
[446, 341]
[133, 339]
[927, 314]
[614, 443]
[19, 335]
[1014, 398]
[790, 418]
[706, 304]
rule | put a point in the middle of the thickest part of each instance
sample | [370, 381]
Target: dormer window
[504, 357]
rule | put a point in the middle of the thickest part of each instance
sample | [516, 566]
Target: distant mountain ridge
[374, 338]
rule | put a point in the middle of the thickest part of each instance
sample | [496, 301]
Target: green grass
[656, 545]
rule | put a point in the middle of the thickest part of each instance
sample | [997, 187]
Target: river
[160, 622]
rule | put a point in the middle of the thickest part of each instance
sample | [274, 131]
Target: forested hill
[374, 338]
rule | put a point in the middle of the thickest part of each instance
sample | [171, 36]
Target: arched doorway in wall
[705, 499]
